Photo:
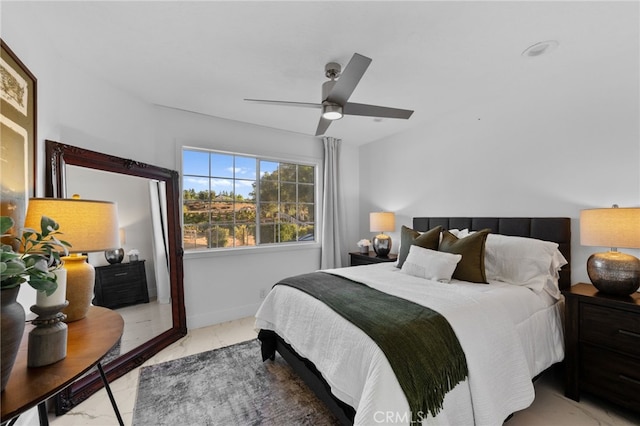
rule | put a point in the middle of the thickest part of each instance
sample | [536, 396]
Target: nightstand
[121, 284]
[602, 345]
[358, 258]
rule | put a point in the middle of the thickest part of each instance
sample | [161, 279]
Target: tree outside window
[231, 200]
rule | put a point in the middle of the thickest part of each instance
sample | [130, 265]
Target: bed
[515, 334]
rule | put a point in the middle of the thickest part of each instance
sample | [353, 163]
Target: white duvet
[508, 333]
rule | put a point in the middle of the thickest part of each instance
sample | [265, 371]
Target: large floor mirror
[148, 206]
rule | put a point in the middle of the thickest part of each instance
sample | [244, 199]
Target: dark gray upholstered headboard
[555, 229]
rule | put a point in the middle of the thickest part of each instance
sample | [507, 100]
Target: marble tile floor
[142, 322]
[550, 407]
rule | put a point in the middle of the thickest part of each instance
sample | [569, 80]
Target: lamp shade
[612, 227]
[87, 225]
[382, 221]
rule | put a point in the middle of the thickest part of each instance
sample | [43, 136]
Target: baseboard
[217, 317]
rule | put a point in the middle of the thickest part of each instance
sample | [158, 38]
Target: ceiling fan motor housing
[332, 70]
[326, 89]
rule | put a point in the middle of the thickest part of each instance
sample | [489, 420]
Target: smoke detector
[541, 48]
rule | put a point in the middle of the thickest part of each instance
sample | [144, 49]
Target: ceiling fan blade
[348, 80]
[286, 103]
[351, 108]
[323, 125]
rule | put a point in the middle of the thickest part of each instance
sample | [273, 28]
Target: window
[232, 200]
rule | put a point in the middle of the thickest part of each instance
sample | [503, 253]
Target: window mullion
[279, 205]
[258, 207]
[297, 204]
[210, 207]
[233, 203]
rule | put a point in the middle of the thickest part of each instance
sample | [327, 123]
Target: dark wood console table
[88, 341]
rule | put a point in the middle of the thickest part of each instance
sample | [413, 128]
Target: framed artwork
[17, 135]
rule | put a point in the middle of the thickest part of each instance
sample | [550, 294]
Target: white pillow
[430, 264]
[457, 233]
[552, 287]
[461, 233]
[523, 261]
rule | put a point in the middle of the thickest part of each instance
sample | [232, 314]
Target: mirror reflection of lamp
[89, 226]
[116, 255]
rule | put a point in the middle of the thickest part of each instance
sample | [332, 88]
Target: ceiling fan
[336, 93]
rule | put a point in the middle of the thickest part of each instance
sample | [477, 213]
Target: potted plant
[364, 245]
[133, 255]
[35, 263]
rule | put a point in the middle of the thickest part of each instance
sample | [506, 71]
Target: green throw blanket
[419, 343]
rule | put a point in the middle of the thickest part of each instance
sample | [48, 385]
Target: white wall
[551, 149]
[224, 285]
[77, 109]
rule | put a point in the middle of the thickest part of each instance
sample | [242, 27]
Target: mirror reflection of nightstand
[121, 284]
[358, 258]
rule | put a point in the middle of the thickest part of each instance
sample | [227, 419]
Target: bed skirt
[307, 371]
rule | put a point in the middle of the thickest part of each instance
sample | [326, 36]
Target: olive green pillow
[409, 237]
[471, 267]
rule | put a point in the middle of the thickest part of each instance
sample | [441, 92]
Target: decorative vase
[364, 249]
[12, 327]
[48, 340]
[114, 256]
[81, 277]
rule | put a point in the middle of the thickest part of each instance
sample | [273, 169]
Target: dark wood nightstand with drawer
[121, 284]
[358, 258]
[602, 345]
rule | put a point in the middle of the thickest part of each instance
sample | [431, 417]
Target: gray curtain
[331, 256]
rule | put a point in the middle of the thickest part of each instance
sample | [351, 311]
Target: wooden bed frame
[556, 229]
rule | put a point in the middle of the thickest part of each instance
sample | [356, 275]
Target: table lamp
[381, 222]
[89, 226]
[612, 272]
[116, 256]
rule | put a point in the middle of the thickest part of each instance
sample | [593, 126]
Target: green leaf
[39, 256]
[27, 233]
[6, 256]
[42, 265]
[12, 281]
[47, 285]
[48, 225]
[5, 224]
[13, 268]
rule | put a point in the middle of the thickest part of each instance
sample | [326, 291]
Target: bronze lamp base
[614, 272]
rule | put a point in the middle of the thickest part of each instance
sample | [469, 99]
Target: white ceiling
[436, 58]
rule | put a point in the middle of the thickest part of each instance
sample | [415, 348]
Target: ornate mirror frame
[57, 156]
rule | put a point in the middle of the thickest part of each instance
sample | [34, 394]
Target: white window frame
[271, 247]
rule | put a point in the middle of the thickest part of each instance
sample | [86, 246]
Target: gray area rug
[226, 386]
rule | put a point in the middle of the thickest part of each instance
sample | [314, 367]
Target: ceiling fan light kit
[332, 112]
[336, 93]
